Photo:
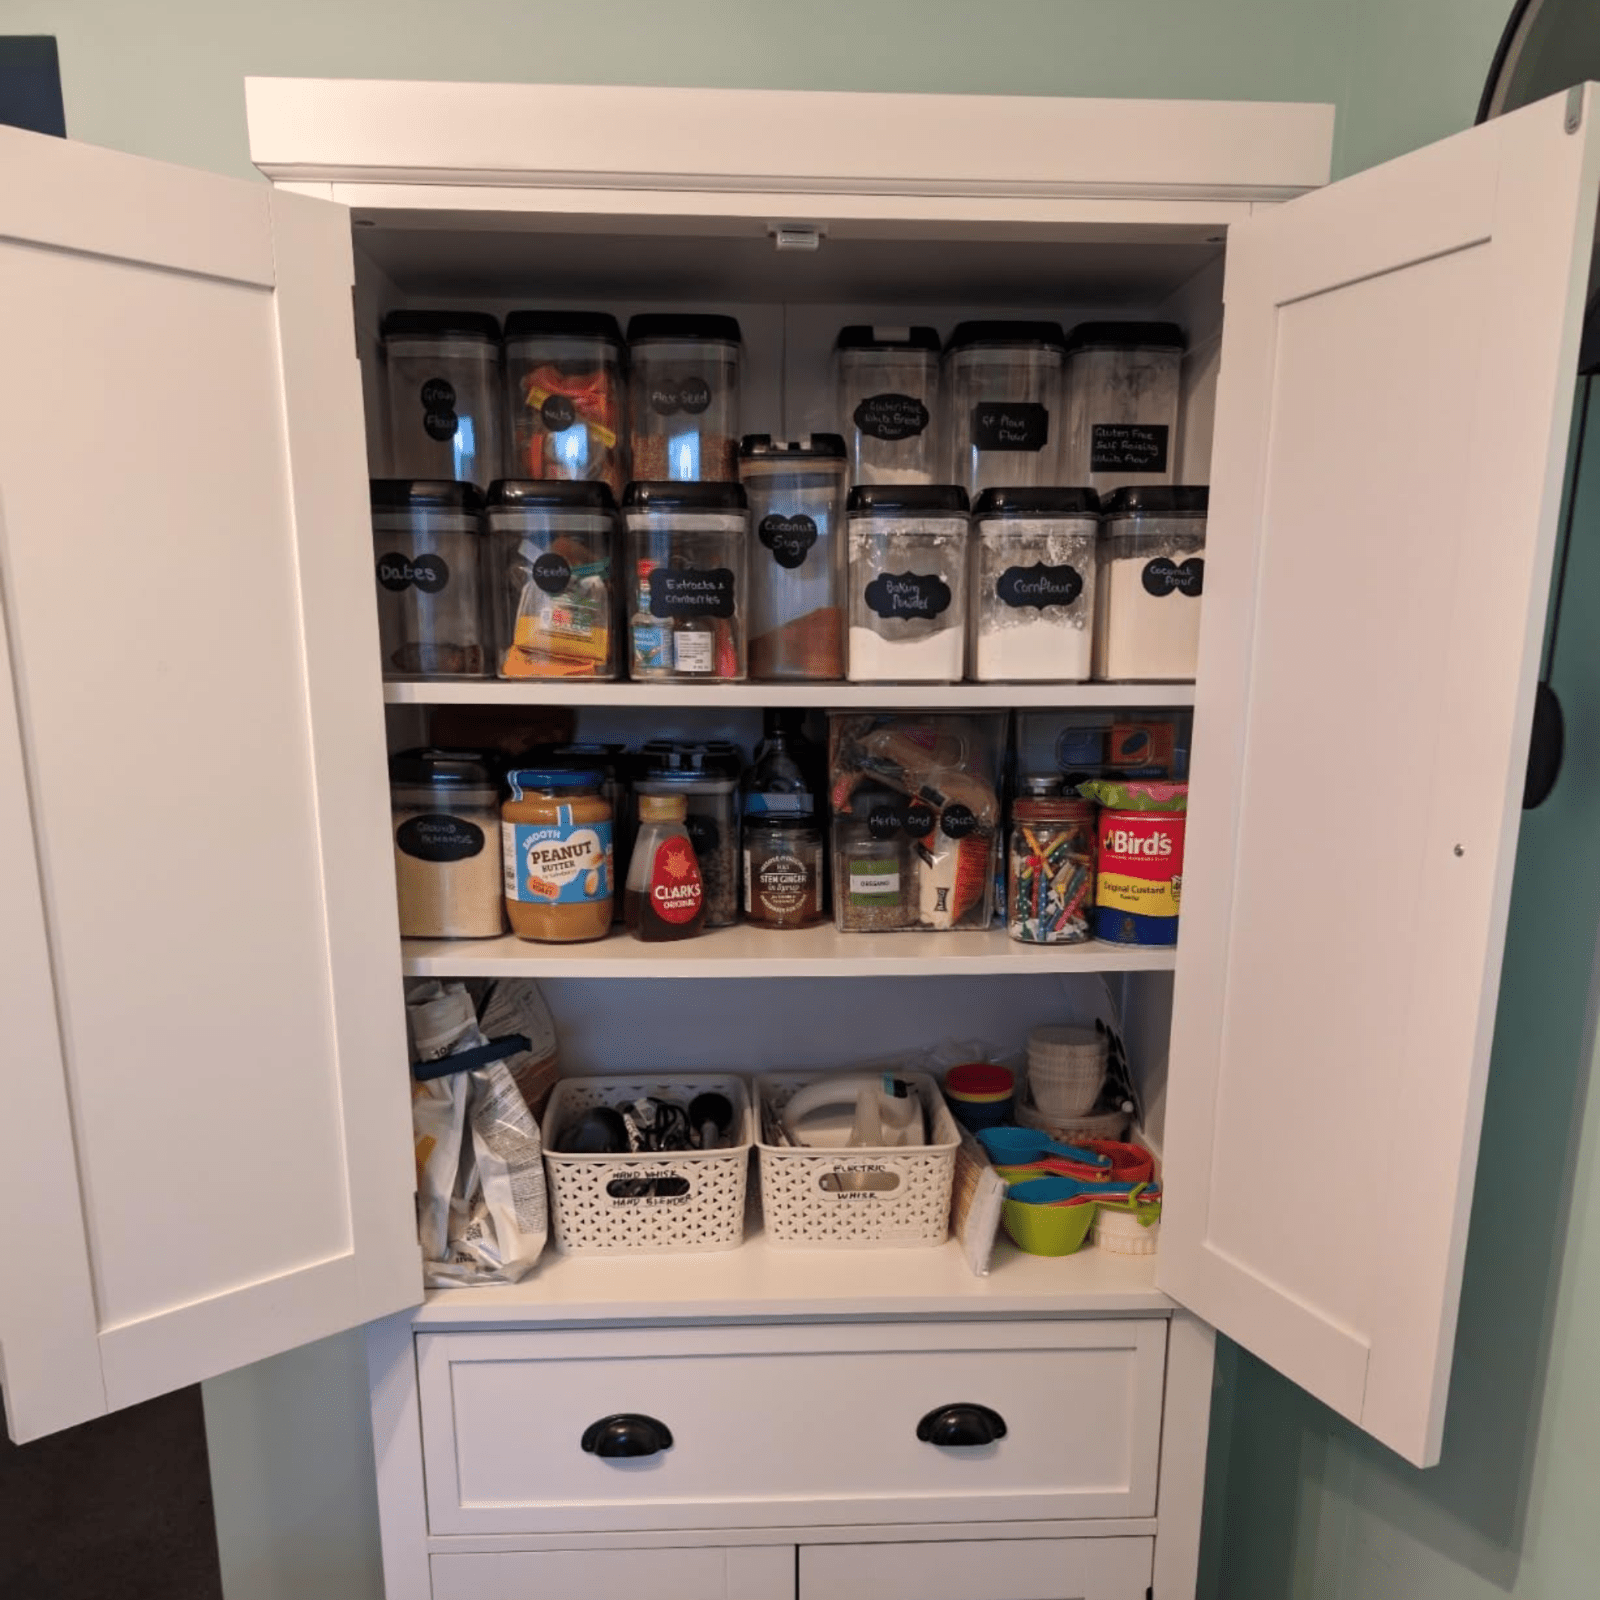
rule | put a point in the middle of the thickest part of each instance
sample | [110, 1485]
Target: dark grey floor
[118, 1509]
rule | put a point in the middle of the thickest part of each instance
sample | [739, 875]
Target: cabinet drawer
[789, 1426]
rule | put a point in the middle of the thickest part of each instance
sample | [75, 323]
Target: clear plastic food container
[908, 583]
[888, 402]
[428, 543]
[443, 372]
[797, 555]
[684, 397]
[1002, 396]
[707, 775]
[686, 570]
[552, 594]
[1122, 403]
[1152, 575]
[445, 814]
[566, 397]
[1033, 587]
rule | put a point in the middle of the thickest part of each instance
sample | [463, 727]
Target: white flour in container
[934, 657]
[1145, 636]
[1020, 562]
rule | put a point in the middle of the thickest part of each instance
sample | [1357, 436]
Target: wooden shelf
[747, 952]
[757, 1281]
[840, 696]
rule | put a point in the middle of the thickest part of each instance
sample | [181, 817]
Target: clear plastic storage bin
[707, 775]
[445, 814]
[797, 555]
[686, 562]
[443, 372]
[566, 397]
[1002, 396]
[1033, 557]
[888, 402]
[908, 583]
[684, 397]
[552, 594]
[428, 544]
[1122, 403]
[1152, 575]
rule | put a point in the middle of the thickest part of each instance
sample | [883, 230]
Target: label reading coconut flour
[557, 863]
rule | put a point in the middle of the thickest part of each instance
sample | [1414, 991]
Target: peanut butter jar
[555, 835]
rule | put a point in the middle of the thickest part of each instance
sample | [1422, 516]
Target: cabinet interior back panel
[174, 1020]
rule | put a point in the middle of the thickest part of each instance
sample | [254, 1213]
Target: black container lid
[1041, 502]
[815, 447]
[681, 758]
[443, 769]
[654, 496]
[563, 325]
[678, 325]
[425, 494]
[968, 335]
[1126, 335]
[550, 494]
[908, 499]
[578, 753]
[865, 336]
[441, 325]
[1156, 500]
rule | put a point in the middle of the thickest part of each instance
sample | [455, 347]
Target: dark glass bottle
[785, 777]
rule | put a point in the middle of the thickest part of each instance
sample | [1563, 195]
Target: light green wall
[1301, 1507]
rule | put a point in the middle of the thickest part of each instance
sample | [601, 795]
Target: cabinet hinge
[1574, 117]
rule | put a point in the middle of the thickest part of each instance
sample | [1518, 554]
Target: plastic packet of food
[1134, 794]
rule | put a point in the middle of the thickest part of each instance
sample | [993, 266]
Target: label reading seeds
[557, 863]
[1128, 447]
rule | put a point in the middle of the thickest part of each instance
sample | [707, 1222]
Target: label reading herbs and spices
[886, 819]
[1010, 425]
[552, 572]
[788, 538]
[433, 836]
[1128, 447]
[1163, 576]
[438, 398]
[1039, 586]
[557, 413]
[919, 819]
[891, 417]
[397, 573]
[683, 592]
[669, 396]
[873, 883]
[908, 594]
[557, 863]
[957, 822]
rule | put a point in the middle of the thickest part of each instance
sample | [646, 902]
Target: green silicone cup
[1047, 1230]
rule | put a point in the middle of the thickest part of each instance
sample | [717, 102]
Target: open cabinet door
[204, 1062]
[1398, 368]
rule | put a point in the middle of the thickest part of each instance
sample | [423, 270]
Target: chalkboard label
[704, 834]
[557, 413]
[672, 395]
[552, 572]
[1128, 447]
[919, 819]
[682, 592]
[1010, 425]
[908, 594]
[397, 573]
[788, 538]
[958, 821]
[439, 419]
[436, 837]
[886, 819]
[891, 417]
[1039, 585]
[1163, 577]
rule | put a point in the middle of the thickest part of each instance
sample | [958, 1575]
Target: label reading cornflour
[560, 863]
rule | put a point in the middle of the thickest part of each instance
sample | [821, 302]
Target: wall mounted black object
[30, 84]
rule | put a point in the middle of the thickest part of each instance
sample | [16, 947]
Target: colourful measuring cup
[1018, 1146]
[1054, 1191]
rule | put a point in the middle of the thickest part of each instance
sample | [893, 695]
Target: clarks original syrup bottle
[665, 898]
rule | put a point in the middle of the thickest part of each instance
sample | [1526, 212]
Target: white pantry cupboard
[202, 969]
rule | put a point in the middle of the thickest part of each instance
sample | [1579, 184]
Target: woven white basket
[818, 1199]
[586, 1219]
[1097, 1125]
[1120, 1233]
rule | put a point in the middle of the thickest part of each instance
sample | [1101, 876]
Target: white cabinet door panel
[1397, 376]
[979, 1569]
[756, 1572]
[186, 584]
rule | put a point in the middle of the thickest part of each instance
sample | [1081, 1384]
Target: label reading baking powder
[1128, 446]
[557, 863]
[908, 594]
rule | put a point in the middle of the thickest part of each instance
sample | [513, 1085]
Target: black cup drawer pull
[961, 1427]
[629, 1434]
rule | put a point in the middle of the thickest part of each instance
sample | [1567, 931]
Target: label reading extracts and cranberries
[675, 889]
[560, 863]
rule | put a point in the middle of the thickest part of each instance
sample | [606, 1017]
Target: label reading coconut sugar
[891, 417]
[1128, 446]
[682, 592]
[1039, 586]
[788, 538]
[557, 863]
[433, 836]
[1163, 576]
[552, 572]
[439, 420]
[908, 594]
[1010, 425]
